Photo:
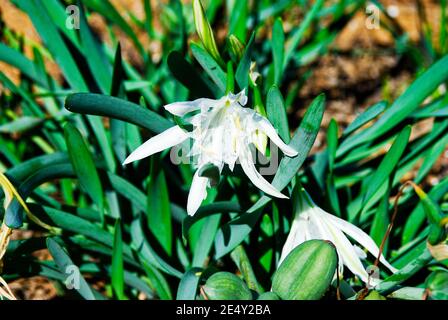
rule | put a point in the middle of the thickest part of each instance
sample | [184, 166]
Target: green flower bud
[236, 48]
[431, 209]
[205, 31]
[268, 296]
[306, 272]
[374, 295]
[226, 286]
[436, 285]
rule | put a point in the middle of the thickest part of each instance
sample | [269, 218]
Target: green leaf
[53, 42]
[31, 166]
[405, 105]
[237, 19]
[107, 10]
[276, 113]
[102, 105]
[332, 143]
[139, 242]
[233, 233]
[67, 267]
[205, 210]
[239, 256]
[117, 262]
[210, 66]
[79, 226]
[84, 166]
[381, 220]
[188, 285]
[207, 232]
[14, 213]
[431, 156]
[21, 124]
[158, 212]
[369, 114]
[242, 71]
[186, 74]
[417, 216]
[297, 34]
[387, 165]
[390, 283]
[158, 282]
[18, 60]
[58, 14]
[278, 49]
[97, 60]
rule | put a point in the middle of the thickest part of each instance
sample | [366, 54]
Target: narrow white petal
[162, 141]
[256, 178]
[270, 131]
[319, 229]
[361, 237]
[198, 192]
[182, 108]
[296, 236]
[242, 97]
[346, 251]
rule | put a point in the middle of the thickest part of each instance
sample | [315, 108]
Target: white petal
[360, 252]
[162, 141]
[182, 108]
[256, 178]
[242, 99]
[270, 131]
[346, 251]
[296, 236]
[198, 192]
[359, 236]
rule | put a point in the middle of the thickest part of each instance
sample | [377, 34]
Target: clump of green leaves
[128, 227]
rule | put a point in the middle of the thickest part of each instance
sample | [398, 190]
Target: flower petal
[198, 192]
[270, 131]
[345, 250]
[256, 178]
[182, 108]
[162, 141]
[296, 236]
[361, 237]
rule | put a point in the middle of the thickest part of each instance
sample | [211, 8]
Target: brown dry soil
[360, 69]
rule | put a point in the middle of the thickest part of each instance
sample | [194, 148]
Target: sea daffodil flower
[222, 133]
[311, 222]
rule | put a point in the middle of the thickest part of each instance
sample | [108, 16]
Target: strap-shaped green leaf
[188, 285]
[102, 105]
[84, 166]
[276, 112]
[210, 66]
[67, 267]
[117, 262]
[407, 103]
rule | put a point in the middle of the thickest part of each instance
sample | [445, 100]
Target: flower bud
[374, 295]
[436, 285]
[226, 286]
[306, 272]
[205, 31]
[268, 296]
[236, 48]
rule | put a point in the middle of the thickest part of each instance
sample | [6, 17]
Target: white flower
[311, 222]
[222, 133]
